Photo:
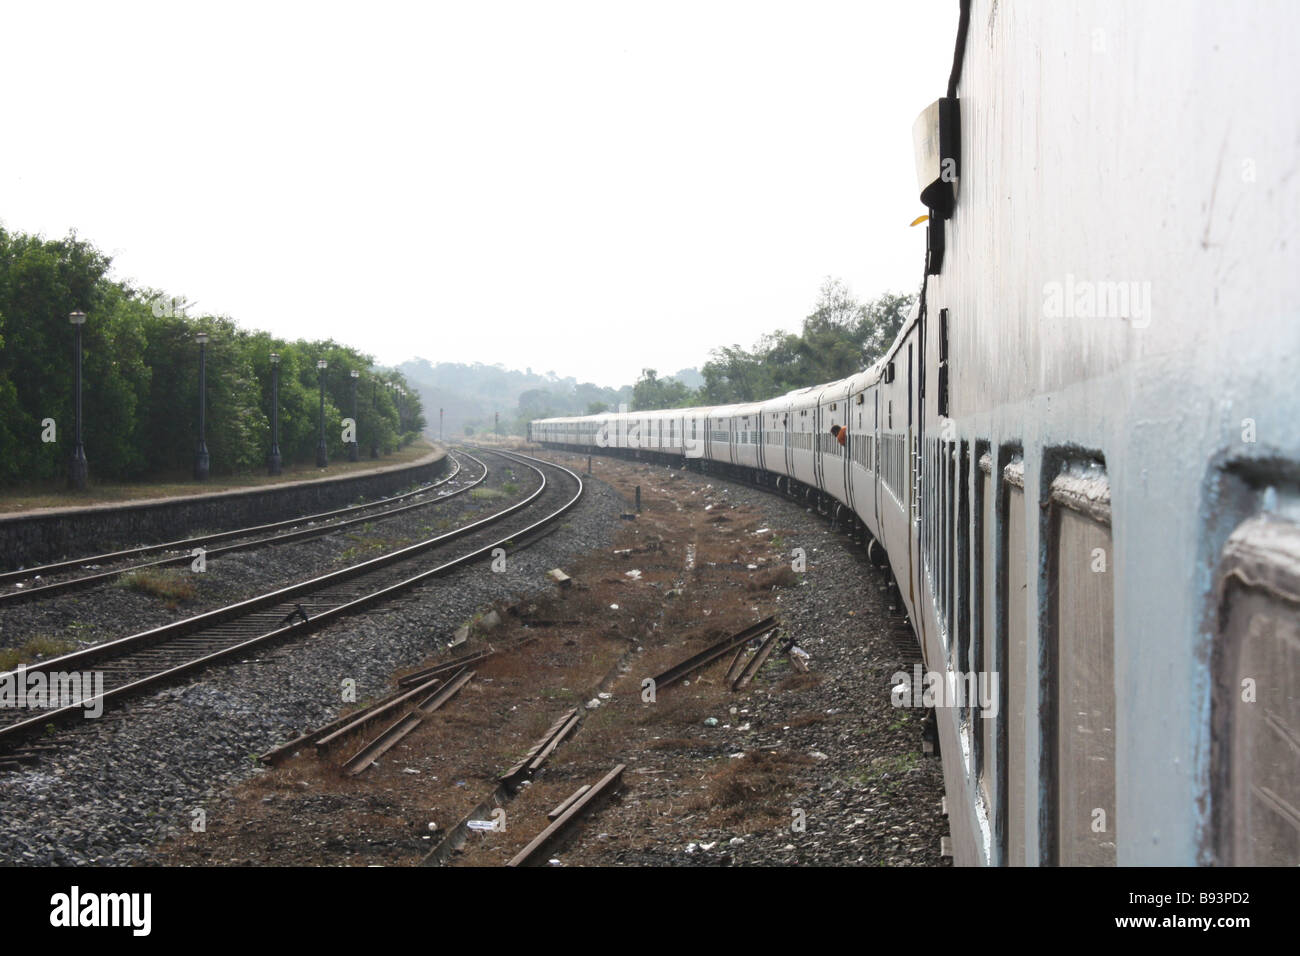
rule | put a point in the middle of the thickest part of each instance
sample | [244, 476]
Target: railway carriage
[1081, 454]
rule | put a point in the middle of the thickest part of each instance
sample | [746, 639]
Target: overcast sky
[588, 188]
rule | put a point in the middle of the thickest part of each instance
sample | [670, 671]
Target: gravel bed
[111, 610]
[831, 742]
[136, 778]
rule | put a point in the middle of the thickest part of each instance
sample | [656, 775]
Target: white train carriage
[746, 435]
[863, 420]
[832, 457]
[1096, 507]
[718, 427]
[803, 435]
[776, 449]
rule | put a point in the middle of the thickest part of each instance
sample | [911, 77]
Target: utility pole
[322, 454]
[274, 462]
[201, 458]
[353, 446]
[77, 465]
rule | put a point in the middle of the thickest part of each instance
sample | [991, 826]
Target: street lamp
[322, 458]
[77, 464]
[374, 428]
[392, 393]
[273, 463]
[353, 454]
[201, 457]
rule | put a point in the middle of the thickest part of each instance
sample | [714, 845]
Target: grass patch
[487, 494]
[757, 787]
[36, 649]
[171, 586]
[510, 488]
[51, 493]
[883, 768]
[362, 547]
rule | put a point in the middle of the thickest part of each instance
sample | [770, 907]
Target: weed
[38, 648]
[170, 585]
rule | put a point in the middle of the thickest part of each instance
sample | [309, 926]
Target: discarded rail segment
[578, 806]
[714, 651]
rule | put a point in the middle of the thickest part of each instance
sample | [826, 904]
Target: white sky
[589, 188]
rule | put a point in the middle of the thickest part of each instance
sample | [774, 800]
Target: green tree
[651, 392]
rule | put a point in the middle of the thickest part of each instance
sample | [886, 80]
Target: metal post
[354, 451]
[440, 411]
[322, 456]
[638, 499]
[589, 464]
[201, 456]
[77, 468]
[273, 463]
[374, 428]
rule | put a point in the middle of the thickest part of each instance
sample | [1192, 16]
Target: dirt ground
[713, 776]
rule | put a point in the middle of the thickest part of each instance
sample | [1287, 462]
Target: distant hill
[690, 377]
[471, 395]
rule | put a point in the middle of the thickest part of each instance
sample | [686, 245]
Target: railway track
[25, 582]
[130, 665]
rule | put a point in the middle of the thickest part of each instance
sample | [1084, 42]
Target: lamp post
[77, 464]
[322, 457]
[273, 462]
[201, 457]
[374, 429]
[392, 393]
[353, 453]
[440, 424]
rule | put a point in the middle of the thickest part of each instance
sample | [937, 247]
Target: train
[1080, 457]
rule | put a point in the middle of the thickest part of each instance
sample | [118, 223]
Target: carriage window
[1256, 759]
[1081, 652]
[1012, 588]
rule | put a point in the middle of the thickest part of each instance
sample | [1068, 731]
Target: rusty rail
[711, 653]
[607, 785]
[390, 736]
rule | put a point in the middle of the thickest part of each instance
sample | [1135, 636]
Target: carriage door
[849, 406]
[818, 464]
[787, 432]
[914, 476]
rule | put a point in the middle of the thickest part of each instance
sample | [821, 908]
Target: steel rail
[88, 655]
[190, 543]
[76, 584]
[711, 653]
[607, 784]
